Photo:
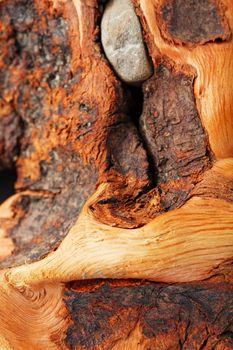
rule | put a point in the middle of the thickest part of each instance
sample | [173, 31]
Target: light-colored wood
[183, 245]
[37, 317]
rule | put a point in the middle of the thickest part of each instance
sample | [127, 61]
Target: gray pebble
[123, 44]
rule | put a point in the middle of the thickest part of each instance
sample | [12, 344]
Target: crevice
[204, 344]
[136, 105]
[227, 334]
[135, 112]
[134, 96]
[7, 184]
[101, 5]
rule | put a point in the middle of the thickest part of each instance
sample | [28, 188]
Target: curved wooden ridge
[184, 245]
[105, 203]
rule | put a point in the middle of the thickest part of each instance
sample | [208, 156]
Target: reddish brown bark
[68, 125]
[188, 316]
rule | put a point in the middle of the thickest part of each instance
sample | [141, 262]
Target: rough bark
[108, 189]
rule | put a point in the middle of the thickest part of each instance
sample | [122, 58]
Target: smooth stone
[123, 43]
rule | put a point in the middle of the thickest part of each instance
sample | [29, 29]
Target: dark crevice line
[135, 112]
[7, 184]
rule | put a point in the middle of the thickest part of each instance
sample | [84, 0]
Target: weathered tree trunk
[120, 233]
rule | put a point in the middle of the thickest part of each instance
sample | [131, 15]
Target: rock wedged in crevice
[123, 44]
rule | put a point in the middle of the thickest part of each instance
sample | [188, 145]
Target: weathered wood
[157, 191]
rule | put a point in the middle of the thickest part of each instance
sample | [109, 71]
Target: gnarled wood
[183, 245]
[162, 207]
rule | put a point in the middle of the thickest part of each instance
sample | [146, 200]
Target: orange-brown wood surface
[120, 233]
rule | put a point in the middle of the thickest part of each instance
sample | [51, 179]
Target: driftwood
[120, 233]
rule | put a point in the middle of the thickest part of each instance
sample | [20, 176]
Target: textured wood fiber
[66, 123]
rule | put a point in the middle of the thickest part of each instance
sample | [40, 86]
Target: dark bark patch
[10, 133]
[45, 219]
[173, 133]
[168, 315]
[194, 21]
[34, 51]
[125, 153]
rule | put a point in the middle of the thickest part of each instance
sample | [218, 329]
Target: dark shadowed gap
[135, 112]
[7, 184]
[136, 105]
